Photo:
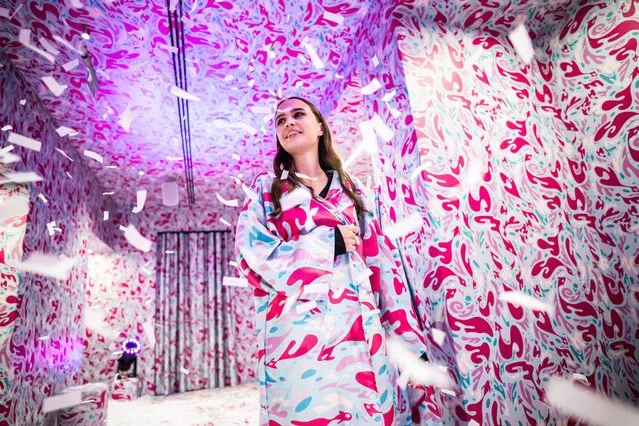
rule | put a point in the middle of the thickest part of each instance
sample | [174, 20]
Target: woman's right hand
[350, 234]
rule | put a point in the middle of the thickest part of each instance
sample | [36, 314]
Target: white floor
[237, 405]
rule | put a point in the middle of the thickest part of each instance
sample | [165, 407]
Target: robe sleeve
[273, 265]
[397, 310]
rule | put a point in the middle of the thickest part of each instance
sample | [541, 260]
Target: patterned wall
[527, 180]
[45, 348]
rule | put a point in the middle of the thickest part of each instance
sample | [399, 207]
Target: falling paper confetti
[521, 42]
[24, 141]
[369, 139]
[180, 93]
[184, 370]
[6, 157]
[252, 195]
[149, 332]
[126, 118]
[21, 177]
[371, 87]
[56, 88]
[585, 404]
[63, 131]
[375, 61]
[524, 300]
[51, 228]
[415, 369]
[284, 175]
[58, 402]
[71, 65]
[235, 156]
[105, 215]
[43, 338]
[48, 46]
[94, 155]
[7, 127]
[140, 200]
[334, 17]
[230, 203]
[234, 282]
[411, 224]
[64, 153]
[382, 129]
[43, 198]
[136, 239]
[48, 265]
[317, 62]
[225, 222]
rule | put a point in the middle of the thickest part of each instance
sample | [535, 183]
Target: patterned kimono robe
[323, 359]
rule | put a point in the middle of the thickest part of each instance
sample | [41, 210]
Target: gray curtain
[194, 325]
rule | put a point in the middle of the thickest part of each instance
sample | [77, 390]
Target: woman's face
[296, 126]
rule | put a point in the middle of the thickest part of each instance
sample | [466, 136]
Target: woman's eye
[297, 114]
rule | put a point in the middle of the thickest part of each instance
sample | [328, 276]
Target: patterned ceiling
[240, 56]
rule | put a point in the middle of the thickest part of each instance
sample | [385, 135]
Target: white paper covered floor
[237, 405]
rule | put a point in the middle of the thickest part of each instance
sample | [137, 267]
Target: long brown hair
[328, 159]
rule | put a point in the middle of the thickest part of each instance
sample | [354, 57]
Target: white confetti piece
[338, 293]
[140, 200]
[108, 193]
[71, 65]
[596, 409]
[126, 118]
[235, 157]
[51, 227]
[229, 203]
[146, 271]
[16, 206]
[228, 78]
[170, 194]
[56, 88]
[294, 198]
[64, 131]
[24, 36]
[438, 336]
[7, 127]
[521, 42]
[252, 195]
[338, 76]
[225, 222]
[234, 282]
[169, 251]
[371, 87]
[524, 300]
[415, 369]
[369, 139]
[580, 377]
[317, 62]
[49, 47]
[69, 175]
[6, 157]
[21, 177]
[394, 112]
[334, 17]
[42, 198]
[136, 239]
[76, 4]
[284, 175]
[473, 423]
[94, 155]
[23, 101]
[375, 61]
[48, 265]
[149, 332]
[105, 215]
[388, 96]
[382, 129]
[233, 263]
[43, 338]
[184, 370]
[64, 153]
[58, 402]
[24, 141]
[404, 227]
[172, 158]
[448, 392]
[167, 47]
[306, 306]
[180, 93]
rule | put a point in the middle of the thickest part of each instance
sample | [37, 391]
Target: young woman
[328, 286]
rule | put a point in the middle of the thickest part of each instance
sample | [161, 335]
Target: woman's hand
[350, 235]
